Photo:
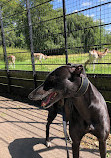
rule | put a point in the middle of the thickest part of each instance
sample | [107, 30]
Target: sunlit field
[23, 62]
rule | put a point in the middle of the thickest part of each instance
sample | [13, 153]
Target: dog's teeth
[43, 104]
[55, 94]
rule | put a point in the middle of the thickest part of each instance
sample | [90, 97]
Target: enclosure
[38, 36]
[64, 31]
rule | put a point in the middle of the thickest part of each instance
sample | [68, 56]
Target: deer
[40, 56]
[94, 56]
[11, 59]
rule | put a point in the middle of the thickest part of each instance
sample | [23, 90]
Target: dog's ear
[76, 69]
[72, 69]
[79, 69]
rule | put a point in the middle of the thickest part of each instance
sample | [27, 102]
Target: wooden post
[65, 30]
[4, 51]
[31, 42]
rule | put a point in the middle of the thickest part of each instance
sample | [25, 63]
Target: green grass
[12, 50]
[20, 54]
[48, 64]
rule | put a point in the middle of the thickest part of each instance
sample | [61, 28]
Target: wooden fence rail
[21, 83]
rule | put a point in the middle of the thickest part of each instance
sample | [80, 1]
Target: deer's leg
[86, 63]
[10, 64]
[40, 59]
[14, 63]
[94, 65]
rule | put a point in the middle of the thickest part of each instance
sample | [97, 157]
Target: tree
[48, 28]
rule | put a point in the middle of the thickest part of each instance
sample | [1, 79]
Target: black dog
[85, 107]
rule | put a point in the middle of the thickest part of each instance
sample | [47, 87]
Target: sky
[80, 5]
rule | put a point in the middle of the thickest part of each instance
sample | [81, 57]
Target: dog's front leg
[75, 145]
[75, 149]
[51, 116]
[102, 148]
[76, 132]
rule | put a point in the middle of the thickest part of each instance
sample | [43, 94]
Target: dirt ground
[22, 133]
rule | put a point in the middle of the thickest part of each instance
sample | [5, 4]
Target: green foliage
[82, 31]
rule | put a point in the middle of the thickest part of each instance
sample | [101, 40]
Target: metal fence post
[31, 42]
[65, 30]
[4, 50]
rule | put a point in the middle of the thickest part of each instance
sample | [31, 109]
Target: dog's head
[63, 82]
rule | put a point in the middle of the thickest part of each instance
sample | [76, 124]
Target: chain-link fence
[55, 32]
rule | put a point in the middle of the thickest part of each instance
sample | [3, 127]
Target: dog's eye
[48, 85]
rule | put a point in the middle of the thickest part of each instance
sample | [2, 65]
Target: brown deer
[94, 56]
[11, 59]
[40, 56]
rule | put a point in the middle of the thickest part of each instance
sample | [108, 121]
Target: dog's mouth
[49, 100]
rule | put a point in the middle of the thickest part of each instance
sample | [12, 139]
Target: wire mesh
[88, 27]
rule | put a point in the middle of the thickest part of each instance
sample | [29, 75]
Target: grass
[13, 50]
[53, 62]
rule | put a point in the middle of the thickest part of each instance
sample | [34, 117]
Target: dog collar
[83, 87]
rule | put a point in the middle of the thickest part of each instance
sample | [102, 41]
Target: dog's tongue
[47, 100]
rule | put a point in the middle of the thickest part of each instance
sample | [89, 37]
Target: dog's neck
[83, 87]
